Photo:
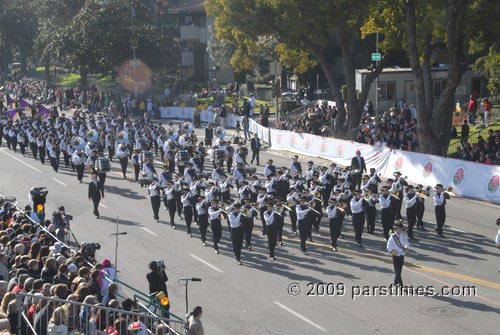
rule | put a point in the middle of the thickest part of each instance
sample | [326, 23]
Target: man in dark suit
[96, 192]
[255, 146]
[358, 163]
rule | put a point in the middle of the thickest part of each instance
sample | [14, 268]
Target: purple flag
[44, 111]
[13, 114]
[23, 104]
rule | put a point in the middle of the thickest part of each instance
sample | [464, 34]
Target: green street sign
[376, 56]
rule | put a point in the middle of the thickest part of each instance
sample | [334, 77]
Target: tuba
[92, 135]
[77, 143]
[220, 132]
[122, 137]
[187, 127]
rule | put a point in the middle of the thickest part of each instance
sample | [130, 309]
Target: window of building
[202, 22]
[387, 90]
[438, 87]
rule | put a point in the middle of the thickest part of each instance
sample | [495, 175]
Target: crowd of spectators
[395, 128]
[485, 150]
[32, 261]
[318, 120]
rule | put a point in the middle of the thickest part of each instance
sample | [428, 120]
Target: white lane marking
[149, 231]
[303, 318]
[459, 230]
[20, 161]
[103, 205]
[206, 263]
[483, 203]
[58, 181]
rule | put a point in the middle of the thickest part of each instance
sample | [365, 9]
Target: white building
[397, 83]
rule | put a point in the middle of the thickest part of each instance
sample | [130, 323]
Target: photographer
[157, 280]
[61, 222]
[87, 251]
[38, 195]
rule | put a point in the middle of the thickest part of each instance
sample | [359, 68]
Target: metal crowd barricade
[85, 319]
[140, 298]
[148, 303]
[297, 112]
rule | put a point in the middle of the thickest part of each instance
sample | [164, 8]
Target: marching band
[188, 189]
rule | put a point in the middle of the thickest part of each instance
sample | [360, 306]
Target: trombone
[449, 191]
[315, 211]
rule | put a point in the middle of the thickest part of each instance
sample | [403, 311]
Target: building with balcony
[186, 22]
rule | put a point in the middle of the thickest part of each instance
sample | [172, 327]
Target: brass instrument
[422, 195]
[315, 211]
[286, 207]
[394, 195]
[449, 190]
[122, 137]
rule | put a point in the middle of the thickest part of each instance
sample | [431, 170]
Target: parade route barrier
[468, 179]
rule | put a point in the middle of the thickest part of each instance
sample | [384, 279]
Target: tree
[18, 27]
[432, 32]
[457, 32]
[55, 16]
[309, 33]
[100, 35]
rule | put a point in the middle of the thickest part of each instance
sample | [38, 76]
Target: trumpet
[422, 195]
[341, 209]
[394, 196]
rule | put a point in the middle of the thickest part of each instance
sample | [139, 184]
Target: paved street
[254, 298]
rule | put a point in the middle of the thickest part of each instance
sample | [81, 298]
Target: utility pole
[376, 81]
[277, 87]
[134, 45]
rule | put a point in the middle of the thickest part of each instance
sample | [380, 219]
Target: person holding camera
[61, 222]
[157, 280]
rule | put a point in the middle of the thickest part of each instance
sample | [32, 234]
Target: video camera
[88, 249]
[39, 191]
[157, 265]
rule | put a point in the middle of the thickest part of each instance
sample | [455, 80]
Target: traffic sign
[376, 56]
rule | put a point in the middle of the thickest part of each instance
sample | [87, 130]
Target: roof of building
[186, 6]
[401, 69]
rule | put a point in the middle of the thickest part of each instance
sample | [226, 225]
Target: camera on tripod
[88, 250]
[39, 191]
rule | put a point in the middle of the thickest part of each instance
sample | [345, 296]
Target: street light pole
[134, 47]
[317, 86]
[277, 88]
[116, 242]
[376, 82]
